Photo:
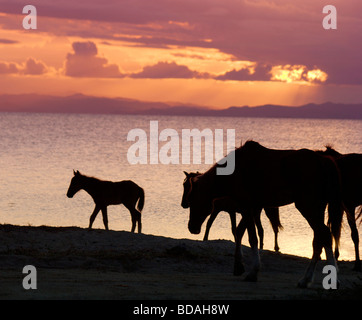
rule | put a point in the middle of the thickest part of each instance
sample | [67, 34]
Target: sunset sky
[215, 53]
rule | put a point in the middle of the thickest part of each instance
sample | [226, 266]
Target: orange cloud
[317, 75]
[293, 73]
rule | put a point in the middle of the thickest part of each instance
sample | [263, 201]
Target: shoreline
[77, 263]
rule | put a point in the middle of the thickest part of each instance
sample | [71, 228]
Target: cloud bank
[265, 32]
[29, 67]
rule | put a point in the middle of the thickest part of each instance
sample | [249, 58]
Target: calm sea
[38, 153]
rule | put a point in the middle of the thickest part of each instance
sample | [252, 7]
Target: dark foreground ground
[76, 263]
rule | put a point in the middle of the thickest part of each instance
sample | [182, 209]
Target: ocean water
[38, 153]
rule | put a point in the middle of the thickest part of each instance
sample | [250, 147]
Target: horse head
[75, 184]
[187, 188]
[200, 204]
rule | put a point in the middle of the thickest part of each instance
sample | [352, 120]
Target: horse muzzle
[185, 204]
[194, 229]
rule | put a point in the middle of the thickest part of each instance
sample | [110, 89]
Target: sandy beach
[76, 263]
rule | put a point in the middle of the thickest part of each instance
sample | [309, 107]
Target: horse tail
[141, 201]
[334, 198]
[359, 215]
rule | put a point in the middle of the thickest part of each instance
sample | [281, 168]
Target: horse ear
[186, 174]
[74, 172]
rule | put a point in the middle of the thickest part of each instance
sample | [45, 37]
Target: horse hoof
[251, 278]
[303, 283]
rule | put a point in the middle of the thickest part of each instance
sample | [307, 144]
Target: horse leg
[233, 223]
[260, 229]
[135, 214]
[105, 217]
[273, 216]
[239, 268]
[317, 250]
[93, 216]
[354, 234]
[139, 222]
[209, 224]
[253, 241]
[322, 239]
[276, 246]
[136, 219]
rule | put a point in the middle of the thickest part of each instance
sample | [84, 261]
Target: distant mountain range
[79, 103]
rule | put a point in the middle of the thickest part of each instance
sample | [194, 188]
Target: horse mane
[192, 175]
[89, 178]
[247, 146]
[251, 145]
[331, 151]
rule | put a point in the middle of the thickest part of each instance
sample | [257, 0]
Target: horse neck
[90, 185]
[216, 185]
[207, 180]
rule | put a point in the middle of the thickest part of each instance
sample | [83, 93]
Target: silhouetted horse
[227, 205]
[350, 166]
[105, 193]
[272, 178]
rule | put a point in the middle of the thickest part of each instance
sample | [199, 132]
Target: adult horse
[350, 166]
[272, 178]
[229, 206]
[105, 193]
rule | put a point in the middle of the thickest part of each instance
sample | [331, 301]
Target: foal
[105, 193]
[228, 205]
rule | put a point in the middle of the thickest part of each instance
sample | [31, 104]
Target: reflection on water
[38, 153]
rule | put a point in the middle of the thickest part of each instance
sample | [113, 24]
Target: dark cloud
[8, 41]
[8, 68]
[261, 73]
[84, 62]
[30, 67]
[168, 70]
[33, 67]
[85, 48]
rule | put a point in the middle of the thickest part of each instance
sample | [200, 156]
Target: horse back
[272, 177]
[119, 192]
